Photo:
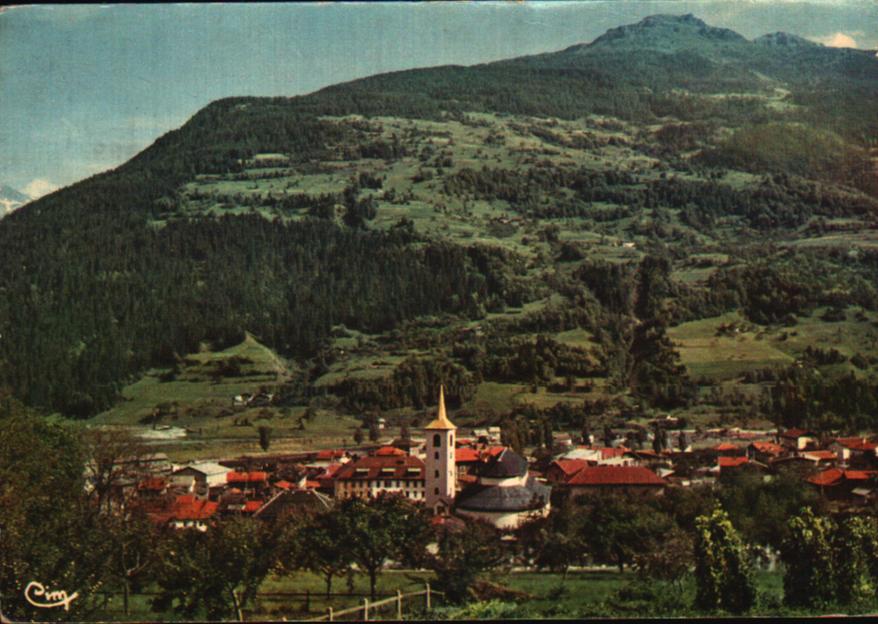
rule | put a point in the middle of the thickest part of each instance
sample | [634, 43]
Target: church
[503, 492]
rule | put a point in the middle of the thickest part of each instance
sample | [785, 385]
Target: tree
[315, 546]
[852, 546]
[115, 458]
[358, 436]
[555, 542]
[264, 437]
[722, 565]
[615, 528]
[810, 578]
[383, 528]
[218, 571]
[374, 432]
[48, 532]
[135, 545]
[463, 554]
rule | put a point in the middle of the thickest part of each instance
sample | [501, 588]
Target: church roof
[441, 421]
[503, 466]
[514, 498]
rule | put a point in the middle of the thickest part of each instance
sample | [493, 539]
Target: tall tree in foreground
[219, 571]
[315, 545]
[722, 566]
[810, 579]
[463, 554]
[387, 527]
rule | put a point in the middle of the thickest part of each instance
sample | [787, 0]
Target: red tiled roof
[858, 475]
[856, 444]
[570, 466]
[247, 477]
[465, 455]
[188, 507]
[821, 455]
[382, 467]
[284, 485]
[611, 452]
[310, 484]
[834, 476]
[389, 451]
[770, 448]
[732, 462]
[330, 454]
[725, 446]
[155, 484]
[615, 475]
[252, 506]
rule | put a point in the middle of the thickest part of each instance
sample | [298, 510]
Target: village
[470, 475]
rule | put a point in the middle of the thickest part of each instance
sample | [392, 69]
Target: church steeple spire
[441, 421]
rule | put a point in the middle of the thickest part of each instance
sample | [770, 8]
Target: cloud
[39, 187]
[837, 40]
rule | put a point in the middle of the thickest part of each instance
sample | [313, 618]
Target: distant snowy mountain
[10, 199]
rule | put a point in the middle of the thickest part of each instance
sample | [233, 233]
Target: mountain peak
[666, 33]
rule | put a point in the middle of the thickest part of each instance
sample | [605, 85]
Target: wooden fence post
[427, 594]
[398, 604]
[329, 613]
[366, 609]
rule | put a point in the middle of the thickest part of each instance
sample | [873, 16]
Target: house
[504, 493]
[733, 465]
[329, 456]
[798, 439]
[234, 502]
[204, 475]
[822, 458]
[293, 501]
[764, 451]
[254, 482]
[854, 450]
[561, 470]
[190, 512]
[727, 449]
[368, 476]
[604, 456]
[633, 480]
[839, 484]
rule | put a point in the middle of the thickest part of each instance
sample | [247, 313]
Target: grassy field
[540, 595]
[720, 357]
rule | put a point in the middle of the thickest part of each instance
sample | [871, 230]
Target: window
[437, 455]
[436, 491]
[437, 474]
[437, 440]
[387, 483]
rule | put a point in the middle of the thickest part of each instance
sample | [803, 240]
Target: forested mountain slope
[556, 237]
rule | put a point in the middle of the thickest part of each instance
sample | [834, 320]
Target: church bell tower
[441, 477]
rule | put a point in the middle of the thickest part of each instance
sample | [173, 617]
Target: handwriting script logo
[36, 594]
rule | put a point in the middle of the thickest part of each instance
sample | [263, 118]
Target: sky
[84, 88]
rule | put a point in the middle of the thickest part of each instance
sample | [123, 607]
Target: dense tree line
[94, 312]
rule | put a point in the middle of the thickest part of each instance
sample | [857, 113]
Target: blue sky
[84, 88]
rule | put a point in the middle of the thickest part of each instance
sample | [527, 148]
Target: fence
[368, 608]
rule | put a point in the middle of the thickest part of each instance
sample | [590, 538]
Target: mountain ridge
[454, 193]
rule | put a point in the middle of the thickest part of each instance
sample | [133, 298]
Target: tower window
[437, 474]
[437, 440]
[436, 455]
[435, 490]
